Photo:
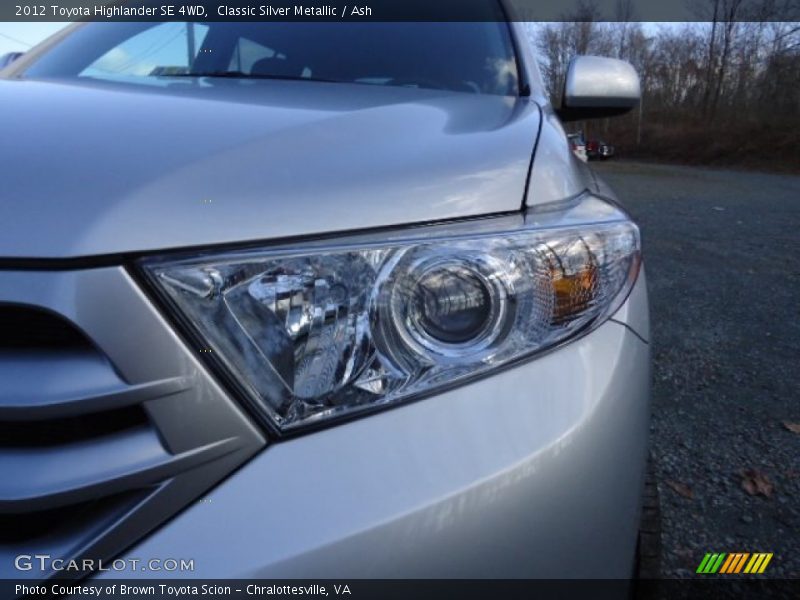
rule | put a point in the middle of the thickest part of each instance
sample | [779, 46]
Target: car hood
[105, 168]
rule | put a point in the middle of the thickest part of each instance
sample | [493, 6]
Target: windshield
[466, 57]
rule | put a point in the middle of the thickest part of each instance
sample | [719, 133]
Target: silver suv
[314, 300]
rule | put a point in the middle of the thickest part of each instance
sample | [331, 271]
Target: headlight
[319, 330]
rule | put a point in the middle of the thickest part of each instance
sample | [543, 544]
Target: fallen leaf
[681, 488]
[793, 427]
[755, 482]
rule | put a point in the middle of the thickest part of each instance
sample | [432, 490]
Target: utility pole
[190, 44]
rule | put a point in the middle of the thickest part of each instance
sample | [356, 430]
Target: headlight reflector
[327, 329]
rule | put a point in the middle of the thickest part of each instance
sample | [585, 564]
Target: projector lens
[452, 304]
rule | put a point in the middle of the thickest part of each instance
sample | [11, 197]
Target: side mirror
[598, 87]
[7, 59]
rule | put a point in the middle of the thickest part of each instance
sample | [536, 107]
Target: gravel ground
[722, 252]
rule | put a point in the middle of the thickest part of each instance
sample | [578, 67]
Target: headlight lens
[326, 329]
[450, 303]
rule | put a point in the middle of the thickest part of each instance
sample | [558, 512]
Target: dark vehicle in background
[598, 149]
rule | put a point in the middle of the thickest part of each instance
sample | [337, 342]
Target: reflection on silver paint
[635, 313]
[556, 173]
[528, 64]
[264, 154]
[596, 81]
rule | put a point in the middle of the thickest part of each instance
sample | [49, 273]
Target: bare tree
[727, 86]
[624, 13]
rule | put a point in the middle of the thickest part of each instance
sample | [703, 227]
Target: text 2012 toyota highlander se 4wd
[314, 300]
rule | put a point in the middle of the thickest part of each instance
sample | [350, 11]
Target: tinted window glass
[166, 48]
[468, 57]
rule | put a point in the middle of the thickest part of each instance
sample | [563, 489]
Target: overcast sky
[18, 37]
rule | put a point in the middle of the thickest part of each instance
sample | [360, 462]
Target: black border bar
[409, 589]
[397, 10]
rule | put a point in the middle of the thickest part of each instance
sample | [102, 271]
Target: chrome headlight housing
[328, 328]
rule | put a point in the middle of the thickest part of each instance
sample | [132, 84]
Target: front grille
[108, 424]
[25, 327]
[38, 529]
[81, 428]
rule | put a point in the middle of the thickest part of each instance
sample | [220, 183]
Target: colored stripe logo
[734, 563]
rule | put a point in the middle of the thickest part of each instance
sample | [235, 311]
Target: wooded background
[724, 90]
